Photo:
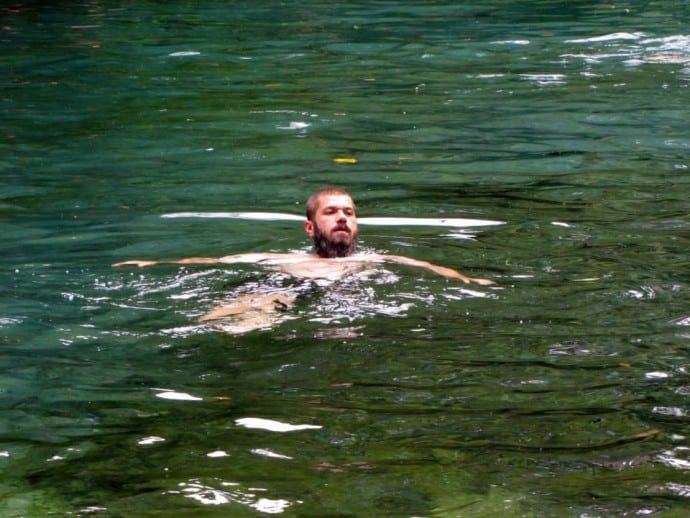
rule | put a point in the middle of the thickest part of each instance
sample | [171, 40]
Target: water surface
[563, 390]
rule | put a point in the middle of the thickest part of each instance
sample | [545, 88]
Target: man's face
[333, 226]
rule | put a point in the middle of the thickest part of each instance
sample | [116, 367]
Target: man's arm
[228, 259]
[441, 270]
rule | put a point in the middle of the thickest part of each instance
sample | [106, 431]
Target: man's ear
[309, 227]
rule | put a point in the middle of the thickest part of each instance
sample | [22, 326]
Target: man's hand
[454, 274]
[481, 282]
[449, 273]
[187, 260]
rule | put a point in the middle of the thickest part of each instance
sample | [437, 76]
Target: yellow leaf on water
[345, 160]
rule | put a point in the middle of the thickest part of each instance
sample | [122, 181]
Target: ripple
[183, 331]
[678, 457]
[644, 293]
[181, 280]
[464, 293]
[676, 43]
[610, 37]
[570, 348]
[670, 411]
[231, 492]
[636, 48]
[10, 321]
[683, 321]
[679, 489]
[544, 79]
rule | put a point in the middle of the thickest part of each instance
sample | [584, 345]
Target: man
[332, 224]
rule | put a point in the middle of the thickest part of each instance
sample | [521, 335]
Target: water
[561, 391]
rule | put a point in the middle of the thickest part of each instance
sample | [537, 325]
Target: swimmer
[331, 222]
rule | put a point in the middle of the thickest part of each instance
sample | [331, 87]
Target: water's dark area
[563, 390]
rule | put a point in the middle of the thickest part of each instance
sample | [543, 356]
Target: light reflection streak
[153, 439]
[93, 509]
[184, 53]
[460, 235]
[544, 79]
[217, 454]
[376, 221]
[511, 42]
[656, 375]
[464, 293]
[272, 425]
[270, 454]
[143, 308]
[609, 37]
[176, 396]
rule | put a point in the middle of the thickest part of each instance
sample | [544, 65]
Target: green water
[561, 391]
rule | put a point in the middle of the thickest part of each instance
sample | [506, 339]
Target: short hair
[313, 200]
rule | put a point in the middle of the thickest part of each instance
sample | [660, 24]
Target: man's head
[332, 223]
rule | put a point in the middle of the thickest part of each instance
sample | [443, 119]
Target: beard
[329, 248]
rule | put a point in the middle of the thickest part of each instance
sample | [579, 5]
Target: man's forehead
[335, 200]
